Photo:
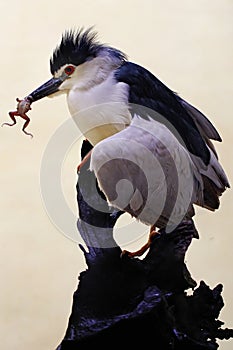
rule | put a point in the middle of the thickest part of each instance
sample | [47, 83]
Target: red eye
[69, 70]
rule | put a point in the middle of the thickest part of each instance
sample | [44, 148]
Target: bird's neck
[98, 103]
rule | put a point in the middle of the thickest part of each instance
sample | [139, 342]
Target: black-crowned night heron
[152, 154]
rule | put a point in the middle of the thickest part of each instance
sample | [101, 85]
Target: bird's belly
[101, 132]
[101, 121]
[100, 112]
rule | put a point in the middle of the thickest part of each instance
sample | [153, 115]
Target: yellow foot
[85, 159]
[144, 248]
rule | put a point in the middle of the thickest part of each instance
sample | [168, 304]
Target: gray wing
[146, 172]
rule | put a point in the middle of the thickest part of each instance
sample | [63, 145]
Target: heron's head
[80, 61]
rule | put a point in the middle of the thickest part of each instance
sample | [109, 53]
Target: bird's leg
[144, 248]
[84, 160]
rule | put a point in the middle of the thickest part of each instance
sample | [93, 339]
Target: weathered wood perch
[138, 302]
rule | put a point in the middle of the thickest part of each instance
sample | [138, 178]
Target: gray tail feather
[211, 194]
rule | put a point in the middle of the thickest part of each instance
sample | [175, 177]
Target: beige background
[189, 46]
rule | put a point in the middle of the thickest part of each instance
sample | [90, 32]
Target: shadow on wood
[137, 302]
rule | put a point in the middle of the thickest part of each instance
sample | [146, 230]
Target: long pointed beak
[48, 88]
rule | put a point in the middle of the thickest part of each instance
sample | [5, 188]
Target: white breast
[101, 110]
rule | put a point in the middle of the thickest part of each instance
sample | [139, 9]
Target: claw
[144, 248]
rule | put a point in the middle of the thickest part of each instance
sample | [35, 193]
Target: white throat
[97, 102]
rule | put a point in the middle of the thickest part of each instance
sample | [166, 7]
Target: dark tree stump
[137, 302]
